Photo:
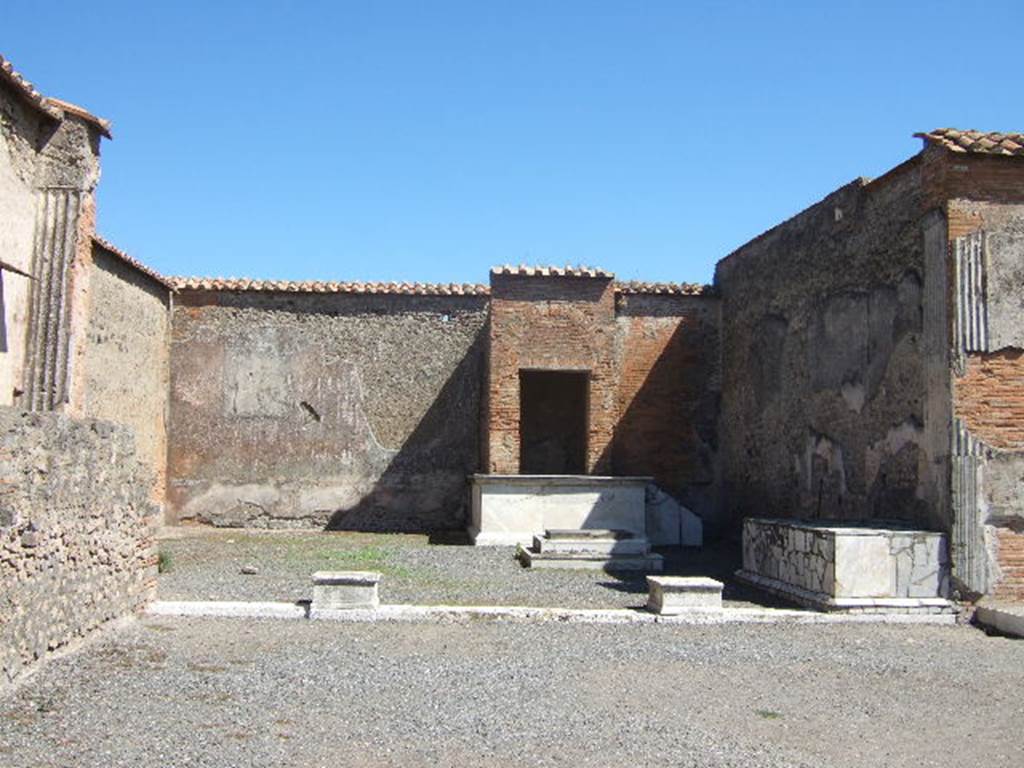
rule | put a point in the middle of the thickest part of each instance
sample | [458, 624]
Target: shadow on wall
[424, 487]
[668, 427]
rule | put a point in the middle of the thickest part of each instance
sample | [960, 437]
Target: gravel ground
[221, 692]
[206, 564]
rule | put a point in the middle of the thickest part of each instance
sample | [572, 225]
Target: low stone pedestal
[838, 566]
[512, 509]
[345, 590]
[669, 595]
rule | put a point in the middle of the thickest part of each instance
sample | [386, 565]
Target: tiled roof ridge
[133, 262]
[551, 271]
[26, 89]
[976, 142]
[73, 109]
[328, 286]
[51, 107]
[663, 289]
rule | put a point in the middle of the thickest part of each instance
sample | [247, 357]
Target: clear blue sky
[430, 140]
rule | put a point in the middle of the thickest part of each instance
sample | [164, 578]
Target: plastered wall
[823, 376]
[324, 410]
[125, 367]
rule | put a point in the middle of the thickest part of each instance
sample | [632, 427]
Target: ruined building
[862, 361]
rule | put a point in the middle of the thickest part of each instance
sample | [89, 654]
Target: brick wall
[1010, 556]
[985, 208]
[989, 398]
[667, 394]
[551, 323]
[76, 528]
[652, 360]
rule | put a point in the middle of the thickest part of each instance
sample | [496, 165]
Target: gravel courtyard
[222, 692]
[207, 564]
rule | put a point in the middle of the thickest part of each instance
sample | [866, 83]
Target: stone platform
[591, 549]
[837, 566]
[512, 509]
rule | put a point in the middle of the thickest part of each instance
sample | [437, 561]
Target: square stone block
[669, 595]
[340, 590]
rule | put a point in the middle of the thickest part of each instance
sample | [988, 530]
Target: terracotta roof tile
[979, 142]
[663, 289]
[74, 109]
[26, 89]
[537, 271]
[148, 271]
[54, 108]
[318, 286]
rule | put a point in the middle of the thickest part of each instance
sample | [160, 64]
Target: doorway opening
[553, 422]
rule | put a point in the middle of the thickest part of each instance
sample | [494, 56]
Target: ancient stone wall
[124, 370]
[47, 183]
[987, 255]
[667, 396]
[823, 376]
[20, 126]
[75, 531]
[336, 410]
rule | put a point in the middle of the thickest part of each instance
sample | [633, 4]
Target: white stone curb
[414, 613]
[221, 608]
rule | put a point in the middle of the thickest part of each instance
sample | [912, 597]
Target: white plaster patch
[908, 432]
[854, 395]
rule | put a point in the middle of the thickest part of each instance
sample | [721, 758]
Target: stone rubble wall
[76, 532]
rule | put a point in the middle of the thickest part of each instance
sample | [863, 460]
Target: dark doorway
[552, 422]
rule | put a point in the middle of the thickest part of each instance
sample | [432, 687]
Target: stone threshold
[463, 613]
[595, 481]
[819, 601]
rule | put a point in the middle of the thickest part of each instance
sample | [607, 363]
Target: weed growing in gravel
[769, 714]
[164, 562]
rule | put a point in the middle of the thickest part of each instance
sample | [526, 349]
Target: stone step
[593, 546]
[587, 533]
[648, 563]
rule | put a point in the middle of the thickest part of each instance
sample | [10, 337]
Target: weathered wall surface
[75, 531]
[988, 381]
[823, 379]
[550, 323]
[124, 371]
[338, 410]
[50, 171]
[19, 134]
[668, 393]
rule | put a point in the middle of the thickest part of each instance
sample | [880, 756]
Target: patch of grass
[360, 557]
[164, 561]
[769, 714]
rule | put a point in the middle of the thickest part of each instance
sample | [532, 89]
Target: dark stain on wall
[822, 369]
